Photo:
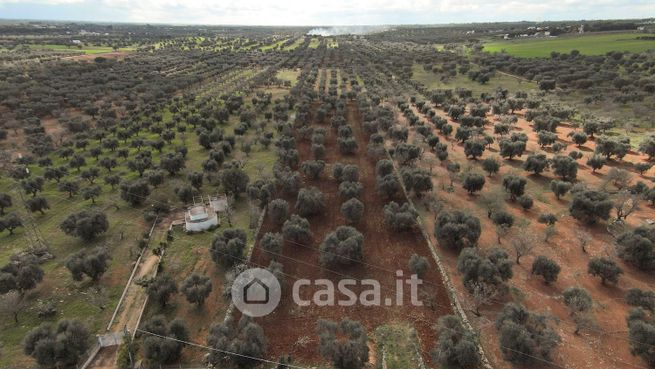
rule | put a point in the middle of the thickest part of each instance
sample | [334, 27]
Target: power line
[189, 343]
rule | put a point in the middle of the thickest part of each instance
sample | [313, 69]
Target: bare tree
[625, 203]
[493, 201]
[580, 305]
[434, 204]
[483, 294]
[501, 231]
[583, 239]
[11, 303]
[523, 243]
[549, 232]
[620, 178]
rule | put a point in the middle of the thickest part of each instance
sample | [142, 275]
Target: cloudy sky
[323, 12]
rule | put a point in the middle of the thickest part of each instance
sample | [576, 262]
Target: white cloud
[346, 12]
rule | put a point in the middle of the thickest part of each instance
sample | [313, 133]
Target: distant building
[203, 214]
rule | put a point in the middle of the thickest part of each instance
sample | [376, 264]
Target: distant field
[598, 44]
[314, 42]
[332, 43]
[294, 45]
[274, 45]
[84, 49]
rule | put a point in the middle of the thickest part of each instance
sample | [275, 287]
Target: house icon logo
[256, 292]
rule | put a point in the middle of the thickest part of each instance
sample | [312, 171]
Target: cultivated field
[587, 44]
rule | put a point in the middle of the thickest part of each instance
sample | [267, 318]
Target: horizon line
[30, 20]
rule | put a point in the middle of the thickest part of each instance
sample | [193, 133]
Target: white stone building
[203, 214]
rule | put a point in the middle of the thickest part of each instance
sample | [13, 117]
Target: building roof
[198, 213]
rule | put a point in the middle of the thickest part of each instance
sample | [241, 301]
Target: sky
[323, 12]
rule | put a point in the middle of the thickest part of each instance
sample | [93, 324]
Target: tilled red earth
[291, 328]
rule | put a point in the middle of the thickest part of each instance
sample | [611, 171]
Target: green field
[596, 44]
[290, 75]
[274, 45]
[83, 49]
[332, 43]
[314, 42]
[399, 345]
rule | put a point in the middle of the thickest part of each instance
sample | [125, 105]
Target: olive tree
[525, 336]
[352, 210]
[272, 243]
[296, 229]
[87, 224]
[605, 269]
[158, 350]
[560, 188]
[589, 206]
[310, 201]
[418, 265]
[579, 302]
[491, 166]
[565, 167]
[536, 163]
[546, 268]
[456, 346]
[278, 211]
[342, 247]
[93, 263]
[457, 230]
[637, 247]
[400, 217]
[227, 247]
[60, 346]
[196, 288]
[473, 182]
[514, 185]
[245, 338]
[344, 343]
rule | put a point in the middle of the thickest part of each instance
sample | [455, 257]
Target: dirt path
[105, 358]
[135, 297]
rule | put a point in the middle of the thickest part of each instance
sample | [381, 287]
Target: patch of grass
[73, 48]
[398, 342]
[314, 42]
[295, 44]
[290, 75]
[71, 299]
[275, 45]
[332, 43]
[587, 44]
[432, 81]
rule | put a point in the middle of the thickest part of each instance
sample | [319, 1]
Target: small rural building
[203, 214]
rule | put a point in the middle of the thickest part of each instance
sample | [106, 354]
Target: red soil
[290, 328]
[606, 345]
